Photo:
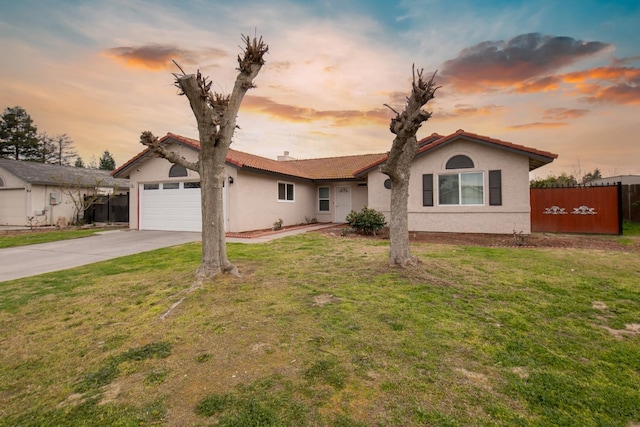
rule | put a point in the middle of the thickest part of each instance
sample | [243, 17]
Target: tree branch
[406, 124]
[149, 140]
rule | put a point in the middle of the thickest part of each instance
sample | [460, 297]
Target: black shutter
[427, 190]
[495, 188]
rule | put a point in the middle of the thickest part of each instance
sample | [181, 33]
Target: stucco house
[41, 194]
[459, 183]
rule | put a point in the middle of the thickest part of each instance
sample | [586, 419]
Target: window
[460, 162]
[1, 182]
[495, 188]
[285, 192]
[151, 186]
[323, 199]
[427, 189]
[461, 189]
[191, 185]
[177, 170]
[170, 185]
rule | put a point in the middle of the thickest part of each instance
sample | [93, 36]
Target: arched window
[460, 162]
[176, 171]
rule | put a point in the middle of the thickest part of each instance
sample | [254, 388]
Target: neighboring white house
[623, 179]
[40, 194]
[472, 183]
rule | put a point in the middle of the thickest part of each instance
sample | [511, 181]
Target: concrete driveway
[25, 261]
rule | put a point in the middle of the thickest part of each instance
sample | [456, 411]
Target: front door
[343, 203]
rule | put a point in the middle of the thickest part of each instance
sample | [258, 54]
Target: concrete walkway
[24, 261]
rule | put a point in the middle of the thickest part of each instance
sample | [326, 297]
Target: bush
[367, 221]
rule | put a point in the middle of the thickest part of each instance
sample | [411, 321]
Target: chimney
[285, 157]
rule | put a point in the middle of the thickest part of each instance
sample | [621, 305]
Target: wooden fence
[631, 202]
[594, 210]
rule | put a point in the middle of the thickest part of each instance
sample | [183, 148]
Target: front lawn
[319, 331]
[32, 237]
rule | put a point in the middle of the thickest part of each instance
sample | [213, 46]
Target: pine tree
[106, 162]
[18, 135]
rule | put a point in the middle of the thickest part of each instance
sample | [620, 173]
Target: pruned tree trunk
[405, 125]
[216, 118]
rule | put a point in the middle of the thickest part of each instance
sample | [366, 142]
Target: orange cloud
[537, 125]
[543, 84]
[297, 114]
[564, 113]
[619, 85]
[618, 94]
[154, 57]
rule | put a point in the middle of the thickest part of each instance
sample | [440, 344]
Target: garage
[13, 206]
[170, 206]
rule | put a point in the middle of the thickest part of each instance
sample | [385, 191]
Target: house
[459, 183]
[41, 194]
[622, 179]
[465, 183]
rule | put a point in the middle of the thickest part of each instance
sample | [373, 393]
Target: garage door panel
[13, 207]
[170, 209]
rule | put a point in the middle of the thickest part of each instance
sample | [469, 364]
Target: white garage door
[13, 206]
[170, 206]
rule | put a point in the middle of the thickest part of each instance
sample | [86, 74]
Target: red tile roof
[537, 157]
[316, 169]
[344, 167]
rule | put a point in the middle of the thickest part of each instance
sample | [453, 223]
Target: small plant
[519, 238]
[277, 225]
[310, 220]
[367, 221]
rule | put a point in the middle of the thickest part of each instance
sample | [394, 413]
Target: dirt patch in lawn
[534, 240]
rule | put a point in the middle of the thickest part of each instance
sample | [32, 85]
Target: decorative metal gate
[594, 210]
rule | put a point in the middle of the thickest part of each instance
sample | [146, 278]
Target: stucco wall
[257, 205]
[514, 214]
[10, 180]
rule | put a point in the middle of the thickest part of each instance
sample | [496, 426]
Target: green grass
[319, 331]
[33, 238]
[630, 228]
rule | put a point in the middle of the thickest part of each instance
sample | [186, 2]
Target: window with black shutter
[495, 188]
[427, 189]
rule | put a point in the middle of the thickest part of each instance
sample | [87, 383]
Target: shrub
[367, 221]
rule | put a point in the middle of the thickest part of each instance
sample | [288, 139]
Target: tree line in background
[565, 180]
[20, 140]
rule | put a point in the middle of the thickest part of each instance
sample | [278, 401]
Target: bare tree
[216, 117]
[398, 166]
[57, 150]
[83, 192]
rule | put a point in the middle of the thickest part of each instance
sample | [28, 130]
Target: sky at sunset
[561, 76]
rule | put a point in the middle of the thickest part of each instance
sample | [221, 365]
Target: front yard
[319, 331]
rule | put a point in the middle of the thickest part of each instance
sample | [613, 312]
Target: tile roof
[537, 158]
[315, 169]
[343, 167]
[47, 174]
